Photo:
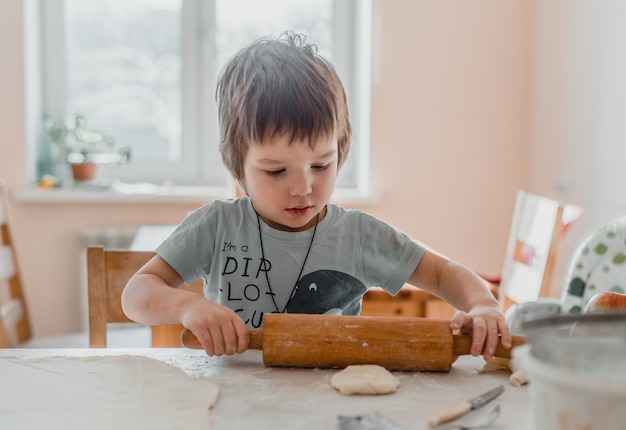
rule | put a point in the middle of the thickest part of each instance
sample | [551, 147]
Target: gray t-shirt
[351, 252]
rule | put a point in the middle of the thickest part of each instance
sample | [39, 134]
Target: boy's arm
[152, 297]
[451, 281]
[479, 313]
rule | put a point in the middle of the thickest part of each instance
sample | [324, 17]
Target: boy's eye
[275, 172]
[320, 167]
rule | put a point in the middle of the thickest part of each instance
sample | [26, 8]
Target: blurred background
[457, 105]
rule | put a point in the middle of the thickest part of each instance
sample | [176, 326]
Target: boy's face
[289, 184]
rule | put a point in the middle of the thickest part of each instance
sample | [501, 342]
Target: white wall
[597, 104]
[579, 108]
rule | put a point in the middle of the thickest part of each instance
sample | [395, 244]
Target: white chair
[597, 264]
[538, 225]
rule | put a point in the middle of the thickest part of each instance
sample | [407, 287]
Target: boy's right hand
[219, 329]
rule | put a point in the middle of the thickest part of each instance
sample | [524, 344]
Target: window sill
[151, 194]
[123, 193]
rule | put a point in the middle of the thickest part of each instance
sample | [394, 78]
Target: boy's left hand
[487, 325]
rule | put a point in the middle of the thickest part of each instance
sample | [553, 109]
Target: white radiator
[110, 238]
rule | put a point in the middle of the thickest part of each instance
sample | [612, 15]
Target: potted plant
[84, 149]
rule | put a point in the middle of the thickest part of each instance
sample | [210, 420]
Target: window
[145, 71]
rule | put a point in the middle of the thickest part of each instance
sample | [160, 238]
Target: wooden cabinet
[409, 302]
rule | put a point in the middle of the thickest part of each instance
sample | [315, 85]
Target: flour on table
[108, 392]
[364, 379]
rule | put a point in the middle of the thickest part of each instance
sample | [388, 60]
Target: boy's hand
[219, 329]
[487, 326]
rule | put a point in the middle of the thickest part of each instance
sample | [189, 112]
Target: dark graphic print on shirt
[318, 292]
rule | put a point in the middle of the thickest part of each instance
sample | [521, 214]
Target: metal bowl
[589, 344]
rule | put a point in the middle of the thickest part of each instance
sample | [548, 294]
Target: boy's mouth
[298, 212]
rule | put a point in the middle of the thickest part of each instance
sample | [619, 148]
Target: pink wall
[450, 144]
[450, 127]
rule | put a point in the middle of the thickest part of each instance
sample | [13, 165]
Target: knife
[462, 408]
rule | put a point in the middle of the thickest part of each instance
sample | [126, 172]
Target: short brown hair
[278, 86]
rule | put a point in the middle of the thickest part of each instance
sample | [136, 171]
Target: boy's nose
[301, 185]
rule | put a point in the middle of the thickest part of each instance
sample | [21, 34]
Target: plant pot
[84, 171]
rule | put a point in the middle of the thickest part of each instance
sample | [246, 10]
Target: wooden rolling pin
[323, 341]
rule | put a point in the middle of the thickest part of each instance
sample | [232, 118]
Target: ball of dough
[364, 379]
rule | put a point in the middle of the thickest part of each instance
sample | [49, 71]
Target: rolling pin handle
[189, 340]
[256, 339]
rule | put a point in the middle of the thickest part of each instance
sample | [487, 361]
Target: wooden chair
[14, 322]
[15, 327]
[108, 271]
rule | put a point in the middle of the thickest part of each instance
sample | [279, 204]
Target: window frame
[200, 163]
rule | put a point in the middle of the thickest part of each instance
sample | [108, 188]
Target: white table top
[255, 396]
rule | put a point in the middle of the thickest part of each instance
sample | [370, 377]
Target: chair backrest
[597, 264]
[108, 271]
[14, 321]
[536, 229]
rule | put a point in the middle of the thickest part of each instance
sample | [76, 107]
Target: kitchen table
[252, 396]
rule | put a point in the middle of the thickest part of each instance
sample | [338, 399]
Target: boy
[285, 132]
